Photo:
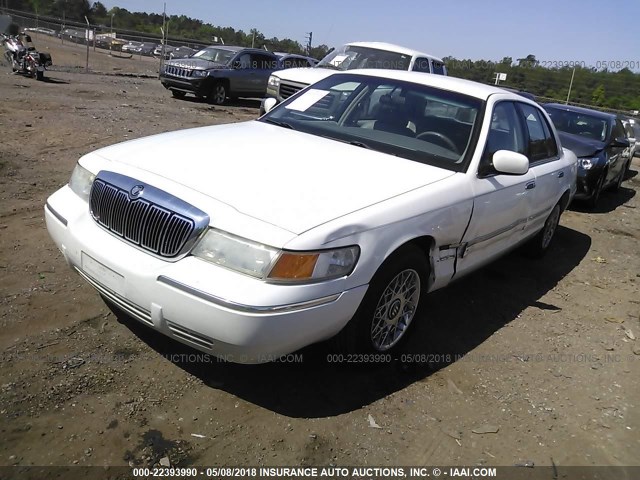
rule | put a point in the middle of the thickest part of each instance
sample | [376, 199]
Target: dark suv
[220, 71]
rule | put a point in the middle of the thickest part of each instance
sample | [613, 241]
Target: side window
[422, 65]
[505, 133]
[244, 60]
[618, 129]
[541, 143]
[438, 68]
[262, 62]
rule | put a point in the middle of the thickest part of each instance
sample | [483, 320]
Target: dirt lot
[532, 361]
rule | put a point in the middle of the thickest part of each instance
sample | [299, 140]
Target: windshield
[213, 54]
[404, 119]
[351, 57]
[578, 123]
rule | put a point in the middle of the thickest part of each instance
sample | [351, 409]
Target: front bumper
[197, 86]
[229, 315]
[587, 182]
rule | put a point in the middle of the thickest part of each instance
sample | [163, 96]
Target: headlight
[200, 73]
[268, 263]
[274, 81]
[235, 253]
[81, 181]
[586, 163]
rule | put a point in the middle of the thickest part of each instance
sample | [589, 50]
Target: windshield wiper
[279, 123]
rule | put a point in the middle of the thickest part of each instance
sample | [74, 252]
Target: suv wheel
[218, 94]
[178, 93]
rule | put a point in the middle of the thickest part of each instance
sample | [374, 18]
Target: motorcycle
[23, 56]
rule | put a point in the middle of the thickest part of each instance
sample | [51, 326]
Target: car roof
[285, 54]
[235, 48]
[394, 48]
[586, 111]
[466, 87]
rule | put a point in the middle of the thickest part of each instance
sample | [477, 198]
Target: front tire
[390, 306]
[623, 173]
[39, 75]
[593, 201]
[178, 93]
[218, 94]
[540, 243]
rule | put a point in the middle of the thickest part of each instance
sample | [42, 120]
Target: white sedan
[333, 214]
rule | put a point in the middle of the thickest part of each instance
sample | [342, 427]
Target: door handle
[561, 174]
[530, 185]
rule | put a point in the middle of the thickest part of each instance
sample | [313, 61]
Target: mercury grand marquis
[332, 215]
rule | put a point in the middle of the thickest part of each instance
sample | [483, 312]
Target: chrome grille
[158, 223]
[286, 90]
[178, 71]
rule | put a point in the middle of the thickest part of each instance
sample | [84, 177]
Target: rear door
[262, 66]
[545, 163]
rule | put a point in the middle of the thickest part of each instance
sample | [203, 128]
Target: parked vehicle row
[408, 182]
[240, 72]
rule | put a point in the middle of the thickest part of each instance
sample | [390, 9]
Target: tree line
[601, 87]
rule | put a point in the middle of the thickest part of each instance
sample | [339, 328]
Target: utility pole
[164, 38]
[309, 37]
[112, 37]
[87, 40]
[570, 85]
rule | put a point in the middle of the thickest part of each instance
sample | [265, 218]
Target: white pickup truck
[356, 55]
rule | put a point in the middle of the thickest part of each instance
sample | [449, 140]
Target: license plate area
[102, 274]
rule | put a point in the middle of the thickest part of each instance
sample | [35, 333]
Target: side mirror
[268, 104]
[510, 163]
[620, 142]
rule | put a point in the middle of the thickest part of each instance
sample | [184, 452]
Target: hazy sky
[553, 30]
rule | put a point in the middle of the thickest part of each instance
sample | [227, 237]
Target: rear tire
[39, 75]
[394, 299]
[540, 243]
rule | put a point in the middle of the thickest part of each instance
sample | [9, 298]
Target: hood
[194, 63]
[290, 179]
[581, 146]
[306, 75]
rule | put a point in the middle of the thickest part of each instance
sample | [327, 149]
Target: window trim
[492, 172]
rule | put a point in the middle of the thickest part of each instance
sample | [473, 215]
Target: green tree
[598, 96]
[528, 62]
